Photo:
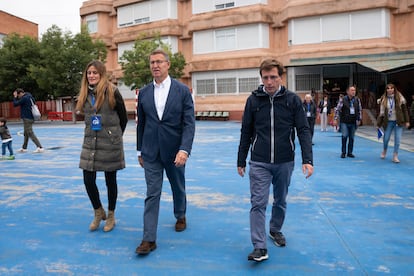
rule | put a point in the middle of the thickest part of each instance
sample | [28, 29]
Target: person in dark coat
[271, 118]
[25, 100]
[6, 139]
[105, 121]
[310, 110]
[349, 113]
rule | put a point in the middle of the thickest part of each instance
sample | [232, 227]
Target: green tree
[63, 59]
[135, 62]
[16, 56]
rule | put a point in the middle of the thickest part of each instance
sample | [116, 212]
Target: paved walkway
[353, 216]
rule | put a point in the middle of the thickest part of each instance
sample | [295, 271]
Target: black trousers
[89, 179]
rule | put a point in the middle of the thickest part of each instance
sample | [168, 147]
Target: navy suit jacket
[174, 132]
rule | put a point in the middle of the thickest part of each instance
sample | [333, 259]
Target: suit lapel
[152, 100]
[170, 99]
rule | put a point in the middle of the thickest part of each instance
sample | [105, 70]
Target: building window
[202, 6]
[307, 82]
[2, 36]
[125, 46]
[92, 23]
[171, 41]
[146, 11]
[142, 20]
[224, 5]
[206, 87]
[243, 37]
[225, 39]
[365, 24]
[248, 84]
[226, 85]
[225, 82]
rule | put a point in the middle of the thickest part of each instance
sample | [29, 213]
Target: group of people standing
[393, 117]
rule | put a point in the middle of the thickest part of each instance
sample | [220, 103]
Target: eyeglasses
[270, 77]
[158, 62]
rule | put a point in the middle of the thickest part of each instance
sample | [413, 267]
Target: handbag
[35, 111]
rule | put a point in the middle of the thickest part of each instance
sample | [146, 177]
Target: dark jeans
[311, 122]
[7, 145]
[348, 133]
[89, 179]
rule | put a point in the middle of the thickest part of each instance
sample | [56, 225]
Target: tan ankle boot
[99, 215]
[110, 221]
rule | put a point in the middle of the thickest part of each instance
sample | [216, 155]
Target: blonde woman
[393, 116]
[102, 150]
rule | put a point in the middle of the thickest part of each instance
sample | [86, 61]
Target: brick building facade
[13, 24]
[321, 42]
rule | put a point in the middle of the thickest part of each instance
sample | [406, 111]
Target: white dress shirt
[161, 94]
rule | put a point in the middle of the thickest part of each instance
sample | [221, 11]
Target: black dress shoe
[343, 155]
[351, 155]
[145, 248]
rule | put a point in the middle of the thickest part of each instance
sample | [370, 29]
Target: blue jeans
[261, 175]
[392, 125]
[7, 145]
[348, 133]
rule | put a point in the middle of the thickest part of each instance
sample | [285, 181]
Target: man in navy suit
[165, 133]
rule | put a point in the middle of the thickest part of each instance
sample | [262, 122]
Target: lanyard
[93, 101]
[391, 102]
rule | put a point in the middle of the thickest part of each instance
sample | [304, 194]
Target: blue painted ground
[353, 216]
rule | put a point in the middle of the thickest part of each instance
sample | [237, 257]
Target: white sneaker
[22, 150]
[39, 150]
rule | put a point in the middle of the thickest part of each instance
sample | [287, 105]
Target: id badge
[96, 122]
[308, 114]
[352, 110]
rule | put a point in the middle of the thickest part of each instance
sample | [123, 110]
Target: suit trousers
[261, 176]
[154, 175]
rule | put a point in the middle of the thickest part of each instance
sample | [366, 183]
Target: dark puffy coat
[269, 125]
[103, 150]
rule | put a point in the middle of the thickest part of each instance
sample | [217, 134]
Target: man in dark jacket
[271, 116]
[349, 112]
[310, 111]
[25, 100]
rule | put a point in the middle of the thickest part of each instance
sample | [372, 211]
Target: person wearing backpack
[25, 100]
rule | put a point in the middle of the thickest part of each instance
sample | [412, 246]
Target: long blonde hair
[104, 87]
[399, 98]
